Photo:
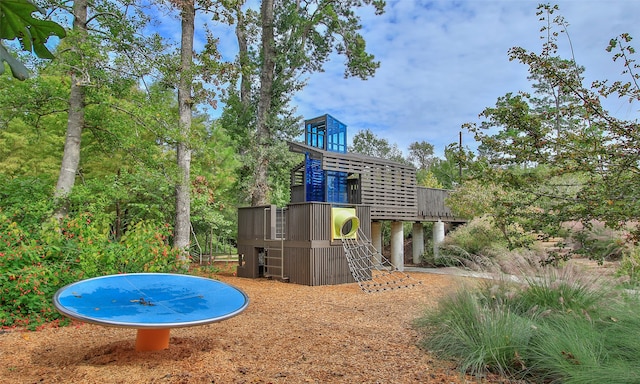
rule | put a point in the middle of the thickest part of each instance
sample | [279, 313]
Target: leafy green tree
[564, 157]
[214, 199]
[31, 132]
[421, 154]
[296, 39]
[425, 178]
[104, 41]
[450, 171]
[422, 157]
[365, 142]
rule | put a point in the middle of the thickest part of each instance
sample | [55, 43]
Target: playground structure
[338, 202]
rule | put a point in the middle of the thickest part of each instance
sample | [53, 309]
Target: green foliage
[427, 179]
[30, 274]
[559, 155]
[125, 198]
[473, 237]
[39, 255]
[562, 292]
[561, 327]
[17, 22]
[630, 266]
[31, 134]
[578, 349]
[450, 171]
[480, 245]
[473, 198]
[477, 235]
[20, 193]
[35, 265]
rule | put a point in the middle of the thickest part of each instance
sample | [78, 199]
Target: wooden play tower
[300, 243]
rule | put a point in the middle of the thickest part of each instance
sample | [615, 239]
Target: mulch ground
[288, 334]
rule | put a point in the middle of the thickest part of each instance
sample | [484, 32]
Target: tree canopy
[557, 155]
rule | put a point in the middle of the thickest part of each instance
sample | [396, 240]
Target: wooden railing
[432, 207]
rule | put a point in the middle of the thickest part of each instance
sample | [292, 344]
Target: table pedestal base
[152, 339]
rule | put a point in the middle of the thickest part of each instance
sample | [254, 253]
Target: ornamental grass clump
[576, 349]
[563, 326]
[479, 332]
[563, 290]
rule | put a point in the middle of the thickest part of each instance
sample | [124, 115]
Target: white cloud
[443, 62]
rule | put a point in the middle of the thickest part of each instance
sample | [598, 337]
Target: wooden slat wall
[431, 205]
[389, 187]
[329, 266]
[363, 212]
[312, 221]
[299, 222]
[297, 265]
[309, 222]
[317, 266]
[247, 261]
[310, 257]
[298, 194]
[252, 225]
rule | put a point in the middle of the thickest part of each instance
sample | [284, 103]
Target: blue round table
[153, 303]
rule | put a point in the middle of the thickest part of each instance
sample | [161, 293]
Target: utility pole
[460, 158]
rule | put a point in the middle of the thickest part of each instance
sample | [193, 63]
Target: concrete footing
[397, 245]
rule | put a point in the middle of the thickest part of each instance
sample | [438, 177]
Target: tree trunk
[183, 186]
[261, 188]
[243, 53]
[75, 121]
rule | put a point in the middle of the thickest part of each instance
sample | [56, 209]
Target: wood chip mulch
[288, 334]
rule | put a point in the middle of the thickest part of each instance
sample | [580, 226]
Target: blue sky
[443, 62]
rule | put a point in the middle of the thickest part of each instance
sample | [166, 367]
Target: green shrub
[563, 290]
[579, 349]
[30, 273]
[472, 237]
[32, 192]
[441, 260]
[33, 266]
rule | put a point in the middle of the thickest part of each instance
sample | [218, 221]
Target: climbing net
[372, 271]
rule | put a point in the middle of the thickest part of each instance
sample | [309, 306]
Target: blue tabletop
[150, 300]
